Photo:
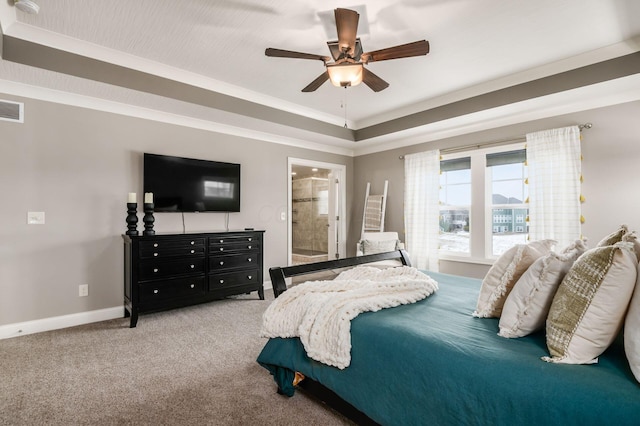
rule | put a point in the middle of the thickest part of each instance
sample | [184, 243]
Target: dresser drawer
[233, 261]
[234, 243]
[170, 289]
[168, 252]
[234, 246]
[232, 279]
[153, 269]
[172, 247]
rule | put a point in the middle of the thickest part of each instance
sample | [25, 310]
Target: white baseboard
[63, 321]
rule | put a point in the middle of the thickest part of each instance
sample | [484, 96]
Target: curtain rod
[494, 143]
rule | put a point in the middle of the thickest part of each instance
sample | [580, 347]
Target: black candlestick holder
[148, 219]
[132, 219]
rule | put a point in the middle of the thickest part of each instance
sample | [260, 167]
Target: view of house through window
[495, 175]
[455, 203]
[507, 173]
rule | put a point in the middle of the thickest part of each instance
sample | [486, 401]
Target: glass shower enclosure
[309, 219]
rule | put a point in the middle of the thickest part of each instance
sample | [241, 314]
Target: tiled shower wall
[309, 215]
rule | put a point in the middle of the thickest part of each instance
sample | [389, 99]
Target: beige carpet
[194, 365]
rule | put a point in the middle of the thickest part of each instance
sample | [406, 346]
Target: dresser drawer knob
[155, 291]
[193, 285]
[221, 281]
[155, 270]
[249, 260]
[155, 244]
[193, 266]
[155, 254]
[249, 247]
[250, 239]
[221, 248]
[193, 242]
[250, 277]
[222, 241]
[221, 263]
[193, 251]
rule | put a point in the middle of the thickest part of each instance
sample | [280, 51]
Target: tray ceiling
[204, 61]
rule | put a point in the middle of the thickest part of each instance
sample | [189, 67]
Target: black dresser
[166, 271]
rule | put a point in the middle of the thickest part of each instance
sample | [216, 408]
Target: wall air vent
[11, 111]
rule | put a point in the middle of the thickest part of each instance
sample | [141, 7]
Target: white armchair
[378, 242]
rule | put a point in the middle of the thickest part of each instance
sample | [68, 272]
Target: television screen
[190, 185]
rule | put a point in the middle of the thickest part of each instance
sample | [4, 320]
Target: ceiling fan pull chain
[345, 107]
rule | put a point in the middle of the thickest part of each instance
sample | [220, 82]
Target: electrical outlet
[83, 290]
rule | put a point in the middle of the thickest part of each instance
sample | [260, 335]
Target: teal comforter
[432, 363]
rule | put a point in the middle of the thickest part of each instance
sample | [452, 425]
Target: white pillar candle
[132, 197]
[148, 197]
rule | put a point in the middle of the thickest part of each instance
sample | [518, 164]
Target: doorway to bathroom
[317, 231]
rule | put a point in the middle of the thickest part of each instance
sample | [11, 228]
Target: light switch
[35, 218]
[283, 216]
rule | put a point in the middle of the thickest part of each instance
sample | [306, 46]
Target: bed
[432, 362]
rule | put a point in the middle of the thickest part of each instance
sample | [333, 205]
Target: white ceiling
[477, 46]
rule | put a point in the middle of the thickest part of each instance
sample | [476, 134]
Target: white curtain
[421, 208]
[553, 157]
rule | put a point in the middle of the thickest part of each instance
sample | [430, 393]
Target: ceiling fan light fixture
[27, 6]
[346, 74]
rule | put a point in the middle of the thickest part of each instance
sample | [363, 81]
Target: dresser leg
[134, 318]
[261, 293]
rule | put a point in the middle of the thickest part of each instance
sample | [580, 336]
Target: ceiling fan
[347, 68]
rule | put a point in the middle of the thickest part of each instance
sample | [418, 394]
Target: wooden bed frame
[279, 274]
[278, 280]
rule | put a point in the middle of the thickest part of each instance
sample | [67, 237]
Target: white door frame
[337, 171]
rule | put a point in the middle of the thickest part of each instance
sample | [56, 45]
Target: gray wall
[611, 151]
[77, 165]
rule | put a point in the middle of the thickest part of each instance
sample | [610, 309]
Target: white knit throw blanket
[320, 312]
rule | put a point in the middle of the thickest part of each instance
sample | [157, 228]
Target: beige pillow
[632, 331]
[622, 234]
[614, 237]
[374, 246]
[590, 305]
[504, 273]
[527, 306]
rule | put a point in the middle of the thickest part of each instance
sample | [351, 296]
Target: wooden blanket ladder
[374, 210]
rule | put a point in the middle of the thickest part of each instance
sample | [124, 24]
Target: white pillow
[632, 331]
[375, 246]
[590, 305]
[527, 306]
[503, 275]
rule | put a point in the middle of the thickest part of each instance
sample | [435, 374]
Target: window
[455, 202]
[485, 188]
[506, 172]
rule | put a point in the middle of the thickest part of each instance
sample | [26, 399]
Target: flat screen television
[189, 185]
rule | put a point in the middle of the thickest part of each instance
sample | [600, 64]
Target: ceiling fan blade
[347, 27]
[317, 82]
[417, 48]
[374, 82]
[279, 53]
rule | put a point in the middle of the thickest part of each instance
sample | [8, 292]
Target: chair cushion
[382, 246]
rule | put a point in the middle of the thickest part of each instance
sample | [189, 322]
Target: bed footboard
[279, 274]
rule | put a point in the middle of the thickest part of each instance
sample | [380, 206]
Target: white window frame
[480, 210]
